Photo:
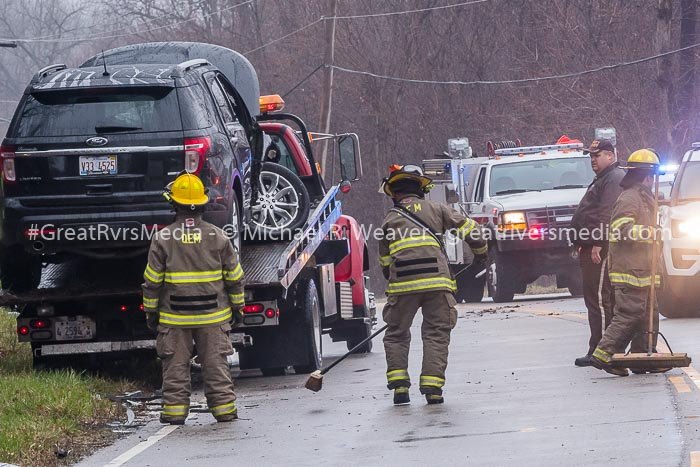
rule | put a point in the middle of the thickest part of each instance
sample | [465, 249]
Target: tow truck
[297, 289]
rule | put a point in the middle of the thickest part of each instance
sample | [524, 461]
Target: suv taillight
[7, 156]
[196, 152]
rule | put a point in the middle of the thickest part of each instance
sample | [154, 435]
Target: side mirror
[350, 160]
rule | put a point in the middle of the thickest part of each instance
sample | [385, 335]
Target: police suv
[524, 198]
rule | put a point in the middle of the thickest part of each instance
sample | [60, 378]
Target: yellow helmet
[643, 159]
[187, 189]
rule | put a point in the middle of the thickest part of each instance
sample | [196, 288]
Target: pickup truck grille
[559, 217]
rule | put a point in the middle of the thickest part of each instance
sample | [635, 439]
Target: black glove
[236, 317]
[479, 262]
[152, 321]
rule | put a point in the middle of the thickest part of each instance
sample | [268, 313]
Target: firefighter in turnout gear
[414, 262]
[193, 290]
[632, 230]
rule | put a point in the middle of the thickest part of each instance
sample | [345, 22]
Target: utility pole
[327, 90]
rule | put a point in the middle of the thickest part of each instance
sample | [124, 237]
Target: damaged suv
[89, 150]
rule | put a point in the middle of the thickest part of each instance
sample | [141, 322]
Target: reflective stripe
[150, 302]
[601, 354]
[619, 222]
[629, 279]
[412, 242]
[397, 375]
[153, 276]
[194, 320]
[434, 381]
[466, 228]
[421, 284]
[192, 277]
[401, 390]
[481, 251]
[385, 261]
[175, 410]
[237, 298]
[234, 275]
[224, 409]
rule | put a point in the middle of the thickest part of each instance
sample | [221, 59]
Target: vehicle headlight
[687, 228]
[512, 221]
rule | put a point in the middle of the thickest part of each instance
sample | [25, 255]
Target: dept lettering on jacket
[191, 237]
[415, 207]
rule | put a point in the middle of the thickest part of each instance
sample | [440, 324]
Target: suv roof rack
[534, 149]
[180, 69]
[48, 69]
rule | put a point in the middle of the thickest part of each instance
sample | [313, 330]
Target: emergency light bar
[536, 149]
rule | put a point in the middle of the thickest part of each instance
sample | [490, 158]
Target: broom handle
[654, 254]
[350, 352]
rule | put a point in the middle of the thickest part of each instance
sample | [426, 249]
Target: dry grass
[45, 412]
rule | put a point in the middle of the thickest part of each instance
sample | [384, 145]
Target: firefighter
[192, 291]
[414, 262]
[590, 223]
[632, 229]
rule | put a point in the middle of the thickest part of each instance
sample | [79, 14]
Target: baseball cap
[599, 145]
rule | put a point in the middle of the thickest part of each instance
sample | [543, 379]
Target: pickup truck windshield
[90, 111]
[688, 186]
[545, 174]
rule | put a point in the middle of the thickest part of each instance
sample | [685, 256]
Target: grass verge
[49, 418]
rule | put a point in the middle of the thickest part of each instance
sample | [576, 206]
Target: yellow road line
[679, 383]
[695, 459]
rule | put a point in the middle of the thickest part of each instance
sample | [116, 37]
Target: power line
[405, 12]
[523, 80]
[114, 36]
[285, 36]
[302, 81]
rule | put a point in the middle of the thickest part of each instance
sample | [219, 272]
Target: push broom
[315, 381]
[651, 360]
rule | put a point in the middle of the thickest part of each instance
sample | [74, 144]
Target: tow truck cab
[524, 198]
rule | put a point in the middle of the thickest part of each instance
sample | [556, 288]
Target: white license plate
[98, 165]
[564, 218]
[79, 329]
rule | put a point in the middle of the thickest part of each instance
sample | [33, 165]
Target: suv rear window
[89, 111]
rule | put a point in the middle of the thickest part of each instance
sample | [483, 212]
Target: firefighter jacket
[632, 229]
[591, 220]
[193, 278]
[411, 258]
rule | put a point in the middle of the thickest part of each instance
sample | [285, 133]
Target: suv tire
[279, 191]
[500, 278]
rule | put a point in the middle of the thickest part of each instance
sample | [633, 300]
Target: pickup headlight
[512, 221]
[686, 228]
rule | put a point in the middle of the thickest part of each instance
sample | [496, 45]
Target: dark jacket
[411, 258]
[591, 219]
[631, 234]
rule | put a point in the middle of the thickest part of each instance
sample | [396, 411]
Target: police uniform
[194, 283]
[419, 277]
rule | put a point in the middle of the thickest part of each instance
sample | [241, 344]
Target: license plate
[78, 329]
[564, 218]
[98, 165]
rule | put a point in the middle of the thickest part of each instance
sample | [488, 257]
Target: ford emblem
[96, 141]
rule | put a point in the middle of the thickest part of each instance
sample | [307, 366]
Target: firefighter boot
[401, 396]
[172, 420]
[434, 399]
[601, 360]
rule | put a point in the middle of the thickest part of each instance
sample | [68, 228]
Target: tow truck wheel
[500, 280]
[469, 288]
[282, 204]
[362, 332]
[311, 312]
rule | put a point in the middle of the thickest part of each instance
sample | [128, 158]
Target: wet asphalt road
[513, 397]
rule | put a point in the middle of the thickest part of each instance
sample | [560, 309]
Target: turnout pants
[629, 323]
[175, 347]
[439, 318]
[598, 295]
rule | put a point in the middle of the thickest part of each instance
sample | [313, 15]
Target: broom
[651, 360]
[315, 381]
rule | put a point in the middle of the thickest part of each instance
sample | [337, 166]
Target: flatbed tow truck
[88, 311]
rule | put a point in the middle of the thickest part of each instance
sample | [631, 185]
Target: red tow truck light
[270, 313]
[123, 308]
[39, 323]
[23, 330]
[141, 307]
[253, 308]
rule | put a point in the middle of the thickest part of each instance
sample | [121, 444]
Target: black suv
[89, 150]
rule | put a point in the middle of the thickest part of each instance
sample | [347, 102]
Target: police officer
[193, 288]
[632, 230]
[590, 224]
[413, 260]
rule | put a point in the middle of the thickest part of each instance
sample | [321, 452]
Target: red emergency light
[253, 308]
